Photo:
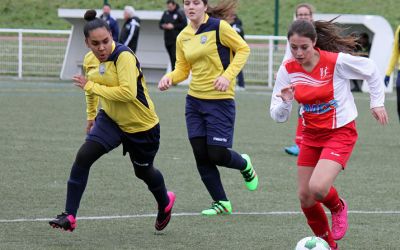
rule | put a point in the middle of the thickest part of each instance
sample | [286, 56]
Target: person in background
[395, 58]
[317, 77]
[303, 11]
[237, 25]
[130, 30]
[172, 22]
[363, 48]
[112, 23]
[364, 45]
[206, 48]
[114, 80]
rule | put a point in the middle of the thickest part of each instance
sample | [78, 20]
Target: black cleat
[64, 221]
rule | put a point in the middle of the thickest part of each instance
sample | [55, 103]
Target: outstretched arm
[182, 67]
[356, 67]
[282, 97]
[126, 91]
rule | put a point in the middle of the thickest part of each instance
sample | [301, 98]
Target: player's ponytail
[329, 38]
[223, 10]
[93, 22]
[327, 35]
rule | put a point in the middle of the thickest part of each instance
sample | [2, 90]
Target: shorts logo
[220, 139]
[203, 39]
[335, 154]
[141, 164]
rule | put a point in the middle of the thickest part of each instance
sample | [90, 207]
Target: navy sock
[208, 171]
[224, 157]
[237, 161]
[86, 156]
[155, 182]
[212, 181]
[75, 188]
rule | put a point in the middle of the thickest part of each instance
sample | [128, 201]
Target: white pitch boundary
[114, 217]
[63, 88]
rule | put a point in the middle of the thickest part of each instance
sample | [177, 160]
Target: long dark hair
[223, 10]
[93, 22]
[326, 33]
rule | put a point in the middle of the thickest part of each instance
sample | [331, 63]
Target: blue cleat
[293, 150]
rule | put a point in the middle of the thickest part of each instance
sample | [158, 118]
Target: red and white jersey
[324, 93]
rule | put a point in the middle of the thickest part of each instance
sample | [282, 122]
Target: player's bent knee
[219, 155]
[305, 198]
[142, 172]
[88, 153]
[318, 191]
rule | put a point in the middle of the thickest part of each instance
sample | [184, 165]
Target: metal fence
[30, 53]
[265, 58]
[40, 53]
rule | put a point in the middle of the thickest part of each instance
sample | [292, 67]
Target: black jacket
[130, 33]
[238, 26]
[113, 26]
[178, 19]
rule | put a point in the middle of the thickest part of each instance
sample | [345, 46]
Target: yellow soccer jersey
[395, 53]
[214, 50]
[120, 86]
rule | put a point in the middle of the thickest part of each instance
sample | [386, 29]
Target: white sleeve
[357, 67]
[280, 110]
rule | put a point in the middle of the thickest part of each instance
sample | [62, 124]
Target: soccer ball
[312, 243]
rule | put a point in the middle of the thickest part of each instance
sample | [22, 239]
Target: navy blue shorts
[398, 80]
[214, 119]
[142, 146]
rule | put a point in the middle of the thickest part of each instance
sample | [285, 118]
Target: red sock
[299, 131]
[318, 221]
[332, 201]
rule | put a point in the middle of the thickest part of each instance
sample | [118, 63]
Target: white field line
[63, 88]
[259, 91]
[264, 91]
[114, 217]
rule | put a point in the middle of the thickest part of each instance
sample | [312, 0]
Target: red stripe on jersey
[314, 90]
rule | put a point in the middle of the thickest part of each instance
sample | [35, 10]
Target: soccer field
[42, 126]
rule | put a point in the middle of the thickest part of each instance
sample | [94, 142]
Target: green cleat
[218, 207]
[249, 175]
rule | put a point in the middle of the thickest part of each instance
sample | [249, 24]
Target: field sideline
[42, 126]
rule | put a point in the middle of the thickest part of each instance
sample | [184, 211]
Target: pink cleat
[339, 222]
[164, 216]
[64, 221]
